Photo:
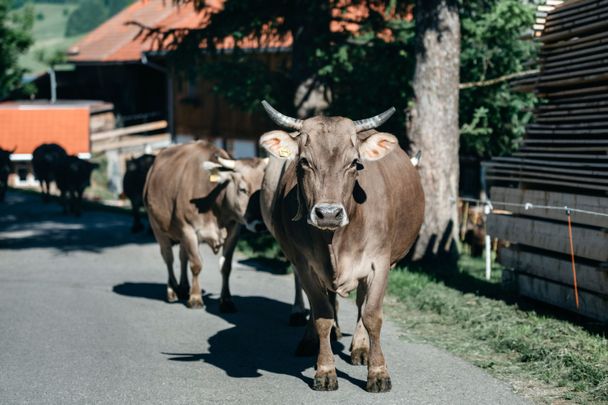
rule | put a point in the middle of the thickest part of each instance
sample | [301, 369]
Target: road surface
[83, 320]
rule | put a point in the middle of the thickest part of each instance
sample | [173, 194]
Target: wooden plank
[132, 141]
[596, 26]
[533, 180]
[591, 278]
[591, 173]
[550, 162]
[591, 305]
[602, 156]
[567, 141]
[518, 173]
[552, 198]
[588, 243]
[135, 129]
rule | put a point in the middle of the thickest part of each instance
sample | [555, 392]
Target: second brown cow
[195, 193]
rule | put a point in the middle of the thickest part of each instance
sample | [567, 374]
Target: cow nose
[328, 216]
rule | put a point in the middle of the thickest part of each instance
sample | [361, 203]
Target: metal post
[53, 80]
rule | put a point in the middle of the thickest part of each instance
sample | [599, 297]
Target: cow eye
[242, 190]
[304, 163]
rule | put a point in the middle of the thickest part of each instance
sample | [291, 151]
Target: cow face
[5, 163]
[242, 179]
[329, 152]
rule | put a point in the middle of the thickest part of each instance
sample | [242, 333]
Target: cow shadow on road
[27, 223]
[259, 340]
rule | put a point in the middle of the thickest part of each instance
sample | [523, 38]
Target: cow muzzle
[328, 216]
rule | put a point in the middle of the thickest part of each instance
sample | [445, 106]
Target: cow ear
[280, 144]
[215, 174]
[377, 146]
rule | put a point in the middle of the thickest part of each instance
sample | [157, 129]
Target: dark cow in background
[133, 186]
[73, 175]
[345, 204]
[195, 194]
[45, 161]
[6, 167]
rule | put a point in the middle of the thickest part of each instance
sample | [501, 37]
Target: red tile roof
[114, 41]
[28, 126]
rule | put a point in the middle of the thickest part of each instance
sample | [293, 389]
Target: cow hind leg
[189, 243]
[166, 251]
[298, 310]
[359, 347]
[226, 303]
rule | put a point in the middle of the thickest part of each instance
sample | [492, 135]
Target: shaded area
[26, 222]
[152, 291]
[258, 341]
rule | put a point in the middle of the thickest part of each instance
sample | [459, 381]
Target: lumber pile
[563, 161]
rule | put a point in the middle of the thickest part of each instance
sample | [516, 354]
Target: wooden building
[563, 162]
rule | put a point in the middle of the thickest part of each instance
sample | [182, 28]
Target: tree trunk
[433, 128]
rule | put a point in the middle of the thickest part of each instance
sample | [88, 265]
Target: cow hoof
[227, 307]
[379, 383]
[325, 382]
[336, 334]
[298, 319]
[183, 293]
[195, 302]
[358, 357]
[307, 348]
[171, 296]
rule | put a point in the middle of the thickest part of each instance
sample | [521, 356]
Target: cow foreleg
[359, 348]
[378, 378]
[226, 303]
[326, 378]
[189, 243]
[298, 310]
[336, 334]
[184, 285]
[137, 226]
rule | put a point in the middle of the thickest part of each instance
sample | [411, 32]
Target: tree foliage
[91, 13]
[363, 72]
[15, 39]
[493, 118]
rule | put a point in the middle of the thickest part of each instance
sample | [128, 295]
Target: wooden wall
[563, 162]
[201, 113]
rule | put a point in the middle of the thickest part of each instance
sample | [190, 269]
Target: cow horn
[281, 119]
[227, 163]
[374, 122]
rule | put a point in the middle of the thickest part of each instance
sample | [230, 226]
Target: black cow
[133, 186]
[45, 161]
[6, 166]
[73, 175]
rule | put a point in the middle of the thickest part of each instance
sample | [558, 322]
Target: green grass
[546, 358]
[49, 34]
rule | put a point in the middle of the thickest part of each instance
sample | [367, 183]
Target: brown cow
[195, 194]
[345, 205]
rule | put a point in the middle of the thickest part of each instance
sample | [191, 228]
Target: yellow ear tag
[284, 152]
[214, 177]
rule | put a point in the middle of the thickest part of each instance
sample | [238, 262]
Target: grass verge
[545, 358]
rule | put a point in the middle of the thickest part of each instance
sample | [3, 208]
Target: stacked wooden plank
[563, 161]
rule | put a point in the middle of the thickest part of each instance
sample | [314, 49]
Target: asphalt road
[83, 320]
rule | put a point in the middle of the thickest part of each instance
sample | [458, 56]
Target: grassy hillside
[49, 34]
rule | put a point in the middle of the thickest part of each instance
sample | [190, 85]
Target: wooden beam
[132, 141]
[588, 243]
[134, 129]
[591, 278]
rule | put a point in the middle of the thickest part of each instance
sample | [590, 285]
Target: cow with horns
[345, 204]
[195, 193]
